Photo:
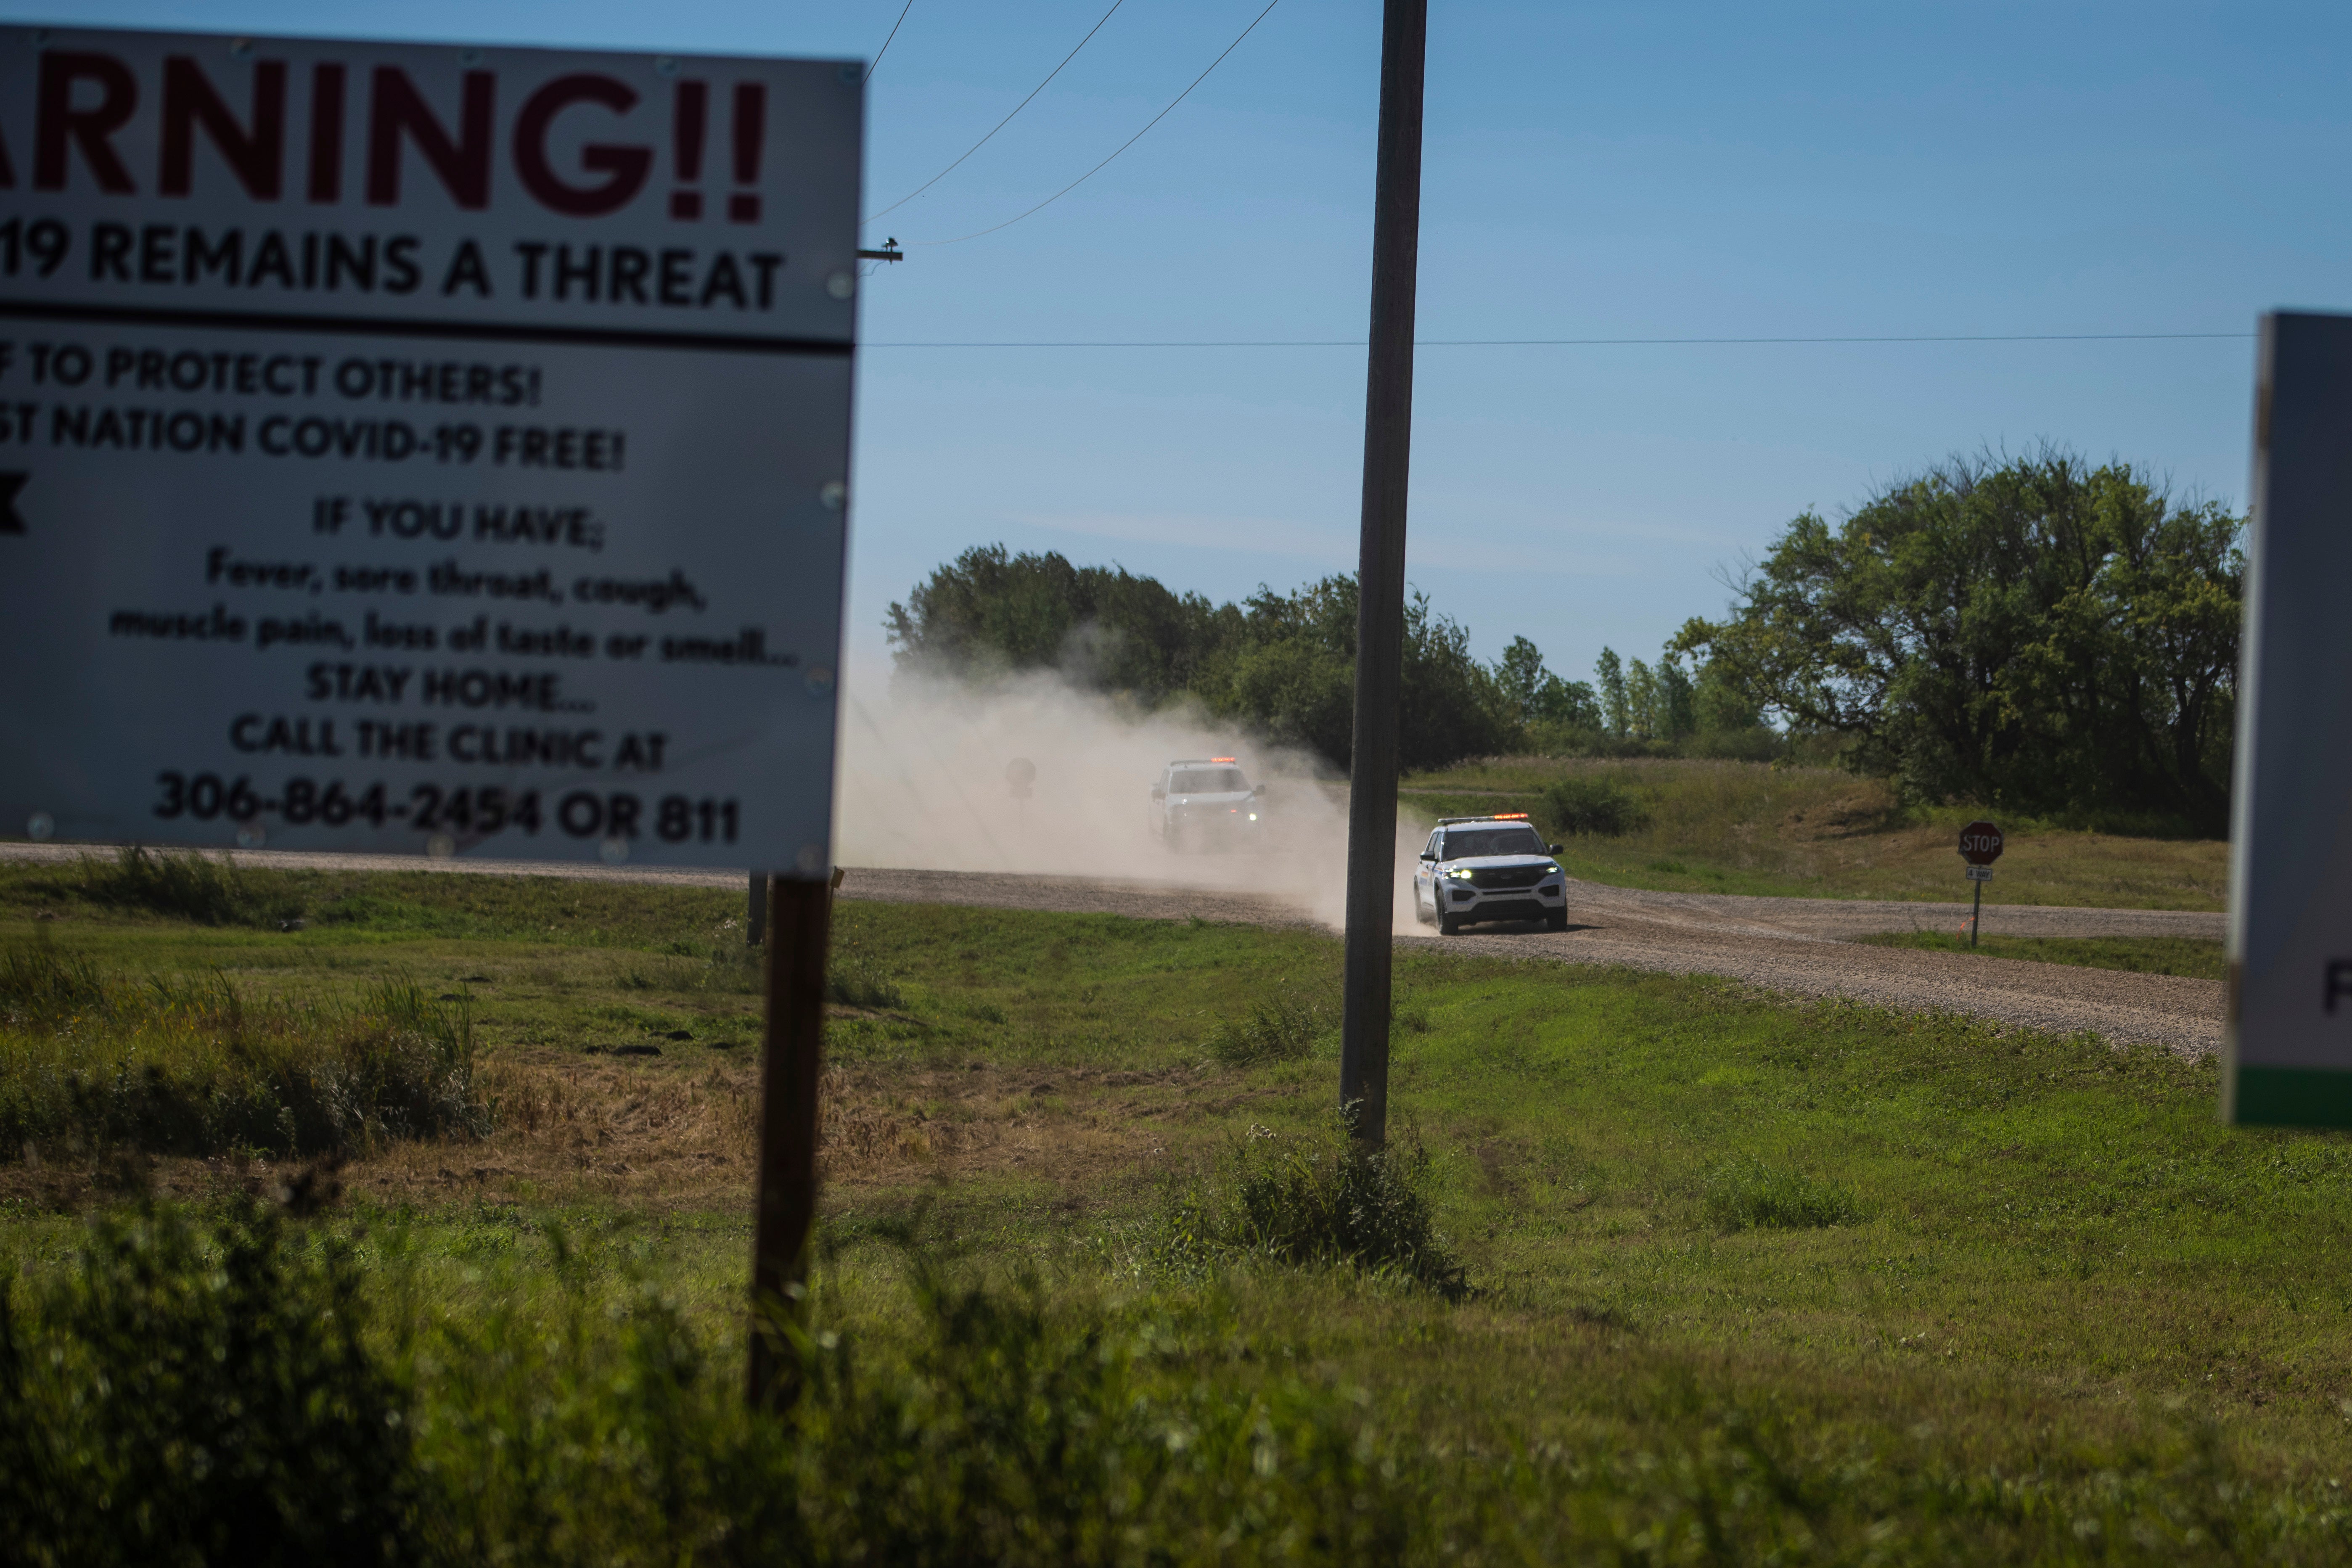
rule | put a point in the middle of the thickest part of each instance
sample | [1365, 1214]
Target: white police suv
[1204, 803]
[1488, 868]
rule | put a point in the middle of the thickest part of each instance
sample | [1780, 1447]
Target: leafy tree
[1660, 703]
[991, 612]
[1290, 673]
[1570, 704]
[1616, 711]
[2037, 633]
[1534, 695]
[1283, 664]
[1290, 669]
[1642, 703]
[1452, 709]
[1720, 705]
[1675, 710]
[1520, 673]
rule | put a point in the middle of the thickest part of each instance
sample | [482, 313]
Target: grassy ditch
[1754, 828]
[216, 901]
[1661, 1268]
[249, 1390]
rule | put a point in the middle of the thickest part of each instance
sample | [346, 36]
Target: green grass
[260, 1393]
[2191, 956]
[1683, 825]
[1741, 1276]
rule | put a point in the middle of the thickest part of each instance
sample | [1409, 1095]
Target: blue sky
[1613, 172]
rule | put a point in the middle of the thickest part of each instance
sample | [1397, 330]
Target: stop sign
[1980, 843]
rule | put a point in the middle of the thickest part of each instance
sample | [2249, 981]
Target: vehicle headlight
[1459, 874]
[1253, 816]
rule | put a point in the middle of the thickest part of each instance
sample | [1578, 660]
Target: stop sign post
[1980, 845]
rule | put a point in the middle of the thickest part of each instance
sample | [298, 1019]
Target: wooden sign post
[799, 924]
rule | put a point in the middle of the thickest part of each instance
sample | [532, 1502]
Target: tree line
[2033, 633]
[1283, 665]
[2036, 634]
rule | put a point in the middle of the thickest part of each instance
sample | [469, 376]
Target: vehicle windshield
[1463, 843]
[1208, 781]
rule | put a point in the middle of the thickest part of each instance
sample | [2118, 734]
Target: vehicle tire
[1556, 920]
[1447, 925]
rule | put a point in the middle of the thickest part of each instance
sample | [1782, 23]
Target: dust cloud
[927, 776]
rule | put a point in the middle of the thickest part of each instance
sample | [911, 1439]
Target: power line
[1123, 146]
[1001, 125]
[876, 62]
[1574, 342]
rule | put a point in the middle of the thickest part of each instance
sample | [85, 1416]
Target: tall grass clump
[858, 983]
[194, 1067]
[1753, 1196]
[39, 982]
[188, 887]
[1313, 1203]
[1600, 807]
[1280, 1031]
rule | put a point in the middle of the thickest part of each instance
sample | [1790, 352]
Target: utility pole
[1380, 573]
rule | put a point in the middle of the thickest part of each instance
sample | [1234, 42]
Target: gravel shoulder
[1800, 946]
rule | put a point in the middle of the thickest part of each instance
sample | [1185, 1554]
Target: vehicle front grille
[1509, 875]
[1511, 910]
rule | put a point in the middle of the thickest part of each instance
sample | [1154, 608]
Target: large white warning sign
[2289, 1028]
[407, 447]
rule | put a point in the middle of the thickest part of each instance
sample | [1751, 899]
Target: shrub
[1751, 1196]
[1283, 1029]
[230, 1397]
[1595, 806]
[1316, 1203]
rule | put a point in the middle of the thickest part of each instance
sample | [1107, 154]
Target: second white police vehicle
[1205, 803]
[1488, 868]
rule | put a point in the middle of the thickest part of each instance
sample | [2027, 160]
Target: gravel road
[1800, 945]
[1797, 945]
